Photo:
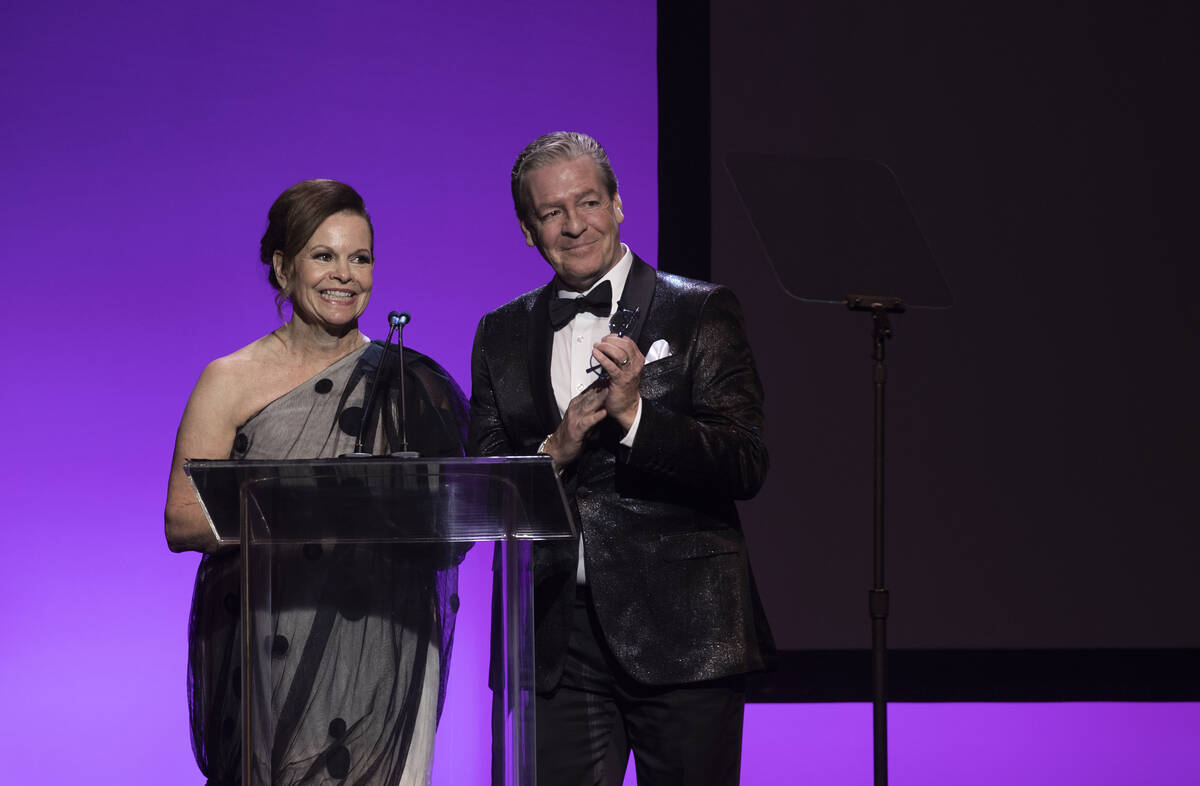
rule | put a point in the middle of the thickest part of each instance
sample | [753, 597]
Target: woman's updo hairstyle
[294, 218]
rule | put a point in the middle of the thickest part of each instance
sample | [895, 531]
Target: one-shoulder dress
[361, 635]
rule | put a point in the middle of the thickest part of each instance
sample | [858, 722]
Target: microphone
[396, 320]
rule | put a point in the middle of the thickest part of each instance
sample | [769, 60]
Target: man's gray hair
[550, 149]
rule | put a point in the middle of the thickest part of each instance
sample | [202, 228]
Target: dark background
[1042, 432]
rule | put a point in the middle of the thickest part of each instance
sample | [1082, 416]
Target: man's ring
[625, 362]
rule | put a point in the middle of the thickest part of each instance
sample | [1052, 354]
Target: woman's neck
[307, 342]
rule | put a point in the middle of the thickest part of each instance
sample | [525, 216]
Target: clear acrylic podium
[434, 508]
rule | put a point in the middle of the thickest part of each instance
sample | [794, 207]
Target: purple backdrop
[142, 146]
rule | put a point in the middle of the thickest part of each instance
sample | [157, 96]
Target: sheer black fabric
[360, 635]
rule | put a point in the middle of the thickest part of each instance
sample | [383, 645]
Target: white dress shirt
[571, 356]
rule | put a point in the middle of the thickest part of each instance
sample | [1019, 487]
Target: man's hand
[585, 411]
[621, 358]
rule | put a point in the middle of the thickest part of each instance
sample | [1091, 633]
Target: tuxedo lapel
[539, 360]
[638, 292]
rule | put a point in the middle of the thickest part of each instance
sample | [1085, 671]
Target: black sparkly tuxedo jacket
[664, 553]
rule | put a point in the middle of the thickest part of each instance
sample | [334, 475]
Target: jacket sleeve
[485, 433]
[717, 447]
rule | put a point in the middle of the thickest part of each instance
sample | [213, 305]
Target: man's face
[574, 225]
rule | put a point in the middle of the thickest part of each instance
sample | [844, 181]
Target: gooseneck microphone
[396, 321]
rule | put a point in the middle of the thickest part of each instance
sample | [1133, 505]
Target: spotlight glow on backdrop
[143, 145]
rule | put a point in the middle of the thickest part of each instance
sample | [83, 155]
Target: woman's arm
[206, 431]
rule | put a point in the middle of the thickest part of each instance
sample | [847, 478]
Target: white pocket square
[658, 350]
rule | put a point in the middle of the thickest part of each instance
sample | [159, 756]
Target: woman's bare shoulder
[247, 362]
[237, 379]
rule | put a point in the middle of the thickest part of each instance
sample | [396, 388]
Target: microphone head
[398, 318]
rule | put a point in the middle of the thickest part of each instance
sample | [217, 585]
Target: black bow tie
[598, 302]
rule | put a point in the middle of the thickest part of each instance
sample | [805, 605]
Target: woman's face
[330, 279]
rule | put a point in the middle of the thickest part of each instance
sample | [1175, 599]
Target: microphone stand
[397, 321]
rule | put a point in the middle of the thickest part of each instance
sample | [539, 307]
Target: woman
[361, 635]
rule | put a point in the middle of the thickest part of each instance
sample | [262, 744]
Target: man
[644, 625]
